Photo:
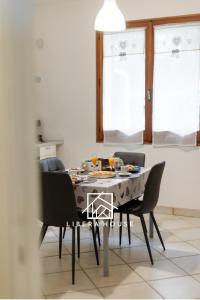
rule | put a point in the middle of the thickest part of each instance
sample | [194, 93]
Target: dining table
[124, 189]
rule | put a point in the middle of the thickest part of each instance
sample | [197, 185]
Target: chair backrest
[131, 158]
[51, 165]
[152, 188]
[58, 199]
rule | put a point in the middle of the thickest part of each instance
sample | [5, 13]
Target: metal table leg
[106, 249]
[150, 227]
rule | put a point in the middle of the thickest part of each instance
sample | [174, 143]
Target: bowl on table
[124, 174]
[133, 169]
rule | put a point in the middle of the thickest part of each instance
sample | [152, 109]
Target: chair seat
[82, 216]
[132, 206]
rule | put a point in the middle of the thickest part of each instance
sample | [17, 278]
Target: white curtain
[176, 90]
[124, 86]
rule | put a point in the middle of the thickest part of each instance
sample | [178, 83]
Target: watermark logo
[100, 206]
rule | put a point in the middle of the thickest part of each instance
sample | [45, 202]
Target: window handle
[149, 95]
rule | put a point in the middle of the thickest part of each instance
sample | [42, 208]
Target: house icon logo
[100, 206]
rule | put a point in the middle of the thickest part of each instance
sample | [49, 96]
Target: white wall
[66, 97]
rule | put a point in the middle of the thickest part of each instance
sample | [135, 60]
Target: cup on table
[124, 169]
[73, 172]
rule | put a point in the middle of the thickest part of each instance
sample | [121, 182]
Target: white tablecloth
[123, 189]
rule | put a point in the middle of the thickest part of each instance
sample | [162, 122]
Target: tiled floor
[175, 273]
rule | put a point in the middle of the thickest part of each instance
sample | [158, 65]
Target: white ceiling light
[110, 17]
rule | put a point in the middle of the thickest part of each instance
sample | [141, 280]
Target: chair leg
[98, 233]
[120, 229]
[109, 224]
[73, 253]
[157, 229]
[60, 242]
[95, 243]
[129, 229]
[43, 232]
[113, 220]
[146, 237]
[64, 231]
[78, 240]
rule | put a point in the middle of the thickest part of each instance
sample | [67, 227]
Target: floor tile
[177, 288]
[137, 229]
[132, 291]
[118, 275]
[137, 254]
[89, 294]
[56, 230]
[190, 264]
[58, 283]
[167, 236]
[175, 224]
[188, 234]
[88, 260]
[160, 269]
[50, 237]
[53, 264]
[162, 217]
[192, 220]
[86, 245]
[178, 250]
[51, 249]
[114, 241]
[195, 243]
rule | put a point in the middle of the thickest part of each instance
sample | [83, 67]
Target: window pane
[124, 86]
[176, 90]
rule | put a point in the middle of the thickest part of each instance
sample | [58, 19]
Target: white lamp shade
[110, 17]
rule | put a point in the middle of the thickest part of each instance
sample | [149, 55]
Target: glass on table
[111, 161]
[94, 159]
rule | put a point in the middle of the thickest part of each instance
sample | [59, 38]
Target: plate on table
[102, 174]
[76, 170]
[76, 179]
[133, 169]
[124, 174]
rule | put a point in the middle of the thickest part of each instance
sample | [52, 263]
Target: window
[154, 66]
[124, 78]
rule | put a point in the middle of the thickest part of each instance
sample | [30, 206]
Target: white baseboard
[178, 211]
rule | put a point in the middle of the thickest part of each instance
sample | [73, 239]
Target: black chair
[59, 209]
[129, 158]
[53, 164]
[139, 208]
